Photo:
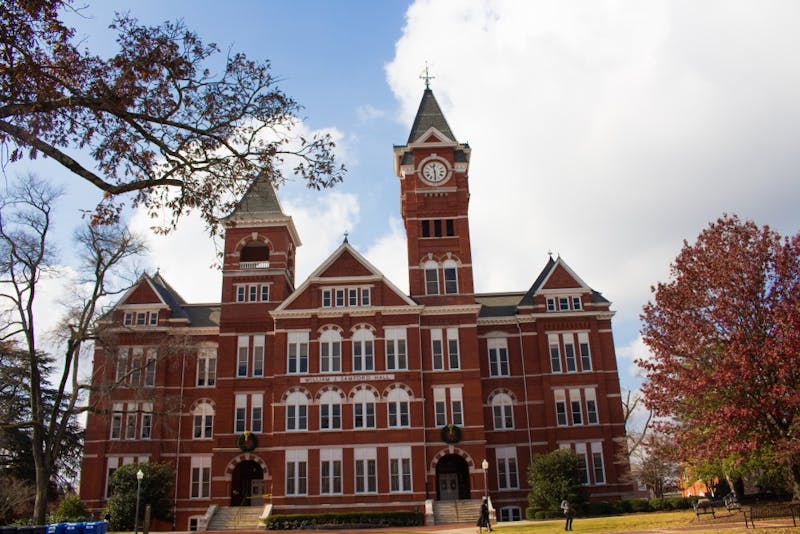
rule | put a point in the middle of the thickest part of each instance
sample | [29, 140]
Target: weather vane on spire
[427, 77]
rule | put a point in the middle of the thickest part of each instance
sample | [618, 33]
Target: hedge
[616, 507]
[345, 520]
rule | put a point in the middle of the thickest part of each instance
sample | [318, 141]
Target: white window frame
[575, 408]
[554, 351]
[330, 471]
[364, 410]
[580, 450]
[398, 405]
[366, 297]
[498, 357]
[117, 412]
[330, 411]
[431, 277]
[150, 368]
[200, 483]
[456, 406]
[330, 352]
[296, 412]
[598, 463]
[506, 464]
[363, 343]
[400, 469]
[584, 351]
[365, 470]
[206, 367]
[453, 349]
[256, 412]
[562, 419]
[440, 407]
[450, 277]
[396, 356]
[592, 417]
[297, 353]
[296, 482]
[146, 423]
[203, 421]
[570, 356]
[327, 298]
[241, 293]
[242, 356]
[503, 412]
[240, 413]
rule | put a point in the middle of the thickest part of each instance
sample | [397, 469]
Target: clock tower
[434, 190]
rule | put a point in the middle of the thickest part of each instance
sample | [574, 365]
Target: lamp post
[485, 466]
[139, 477]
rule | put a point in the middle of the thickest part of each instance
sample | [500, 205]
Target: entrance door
[245, 479]
[448, 486]
[256, 492]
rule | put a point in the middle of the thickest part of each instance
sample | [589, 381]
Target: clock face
[434, 171]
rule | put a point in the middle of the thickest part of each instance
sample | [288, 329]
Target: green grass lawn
[679, 521]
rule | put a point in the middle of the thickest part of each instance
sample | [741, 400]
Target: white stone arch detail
[448, 451]
[327, 389]
[398, 385]
[501, 391]
[243, 458]
[364, 387]
[289, 391]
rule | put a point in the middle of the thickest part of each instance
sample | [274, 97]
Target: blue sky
[607, 132]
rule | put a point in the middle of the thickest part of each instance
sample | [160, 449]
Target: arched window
[431, 277]
[296, 412]
[450, 269]
[254, 255]
[363, 350]
[330, 352]
[397, 403]
[203, 418]
[330, 411]
[502, 408]
[364, 409]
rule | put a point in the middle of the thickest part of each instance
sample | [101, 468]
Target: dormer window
[562, 303]
[140, 318]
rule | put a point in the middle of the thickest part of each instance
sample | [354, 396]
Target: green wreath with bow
[451, 434]
[247, 441]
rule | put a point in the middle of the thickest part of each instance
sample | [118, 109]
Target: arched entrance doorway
[452, 478]
[247, 484]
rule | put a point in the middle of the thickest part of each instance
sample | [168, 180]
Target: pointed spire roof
[429, 115]
[259, 200]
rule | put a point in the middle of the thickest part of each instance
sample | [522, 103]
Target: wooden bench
[707, 506]
[767, 511]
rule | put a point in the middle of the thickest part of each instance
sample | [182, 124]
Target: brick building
[343, 391]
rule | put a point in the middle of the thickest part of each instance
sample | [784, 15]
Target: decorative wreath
[247, 441]
[451, 433]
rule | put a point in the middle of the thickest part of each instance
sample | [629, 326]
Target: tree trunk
[40, 501]
[795, 470]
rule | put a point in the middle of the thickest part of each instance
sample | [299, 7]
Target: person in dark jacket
[567, 507]
[483, 517]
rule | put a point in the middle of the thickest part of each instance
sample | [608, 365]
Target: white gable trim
[581, 284]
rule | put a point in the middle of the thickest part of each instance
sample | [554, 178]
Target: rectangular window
[203, 426]
[128, 319]
[431, 281]
[113, 464]
[136, 367]
[580, 450]
[150, 369]
[437, 227]
[252, 293]
[561, 407]
[551, 304]
[436, 350]
[130, 422]
[116, 421]
[365, 296]
[563, 304]
[243, 351]
[296, 472]
[399, 469]
[330, 471]
[576, 303]
[555, 353]
[264, 293]
[575, 406]
[241, 293]
[586, 357]
[201, 477]
[591, 406]
[398, 414]
[498, 357]
[258, 355]
[426, 228]
[153, 318]
[297, 417]
[141, 318]
[597, 463]
[340, 298]
[364, 415]
[507, 477]
[456, 406]
[330, 416]
[396, 349]
[298, 352]
[440, 406]
[450, 228]
[366, 464]
[452, 348]
[569, 353]
[256, 411]
[122, 365]
[240, 414]
[326, 298]
[450, 281]
[352, 296]
[147, 420]
[207, 367]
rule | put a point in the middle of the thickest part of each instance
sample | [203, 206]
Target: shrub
[345, 520]
[70, 510]
[640, 505]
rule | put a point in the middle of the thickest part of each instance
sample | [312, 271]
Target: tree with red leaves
[725, 337]
[152, 120]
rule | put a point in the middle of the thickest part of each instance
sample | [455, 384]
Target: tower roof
[429, 115]
[260, 199]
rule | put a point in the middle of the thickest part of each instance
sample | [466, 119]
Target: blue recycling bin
[75, 528]
[95, 527]
[56, 528]
[8, 530]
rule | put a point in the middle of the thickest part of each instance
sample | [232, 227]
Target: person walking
[483, 518]
[567, 508]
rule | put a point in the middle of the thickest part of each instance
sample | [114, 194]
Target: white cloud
[629, 353]
[389, 255]
[608, 132]
[369, 113]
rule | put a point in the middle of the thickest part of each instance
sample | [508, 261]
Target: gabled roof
[165, 293]
[558, 266]
[344, 249]
[429, 115]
